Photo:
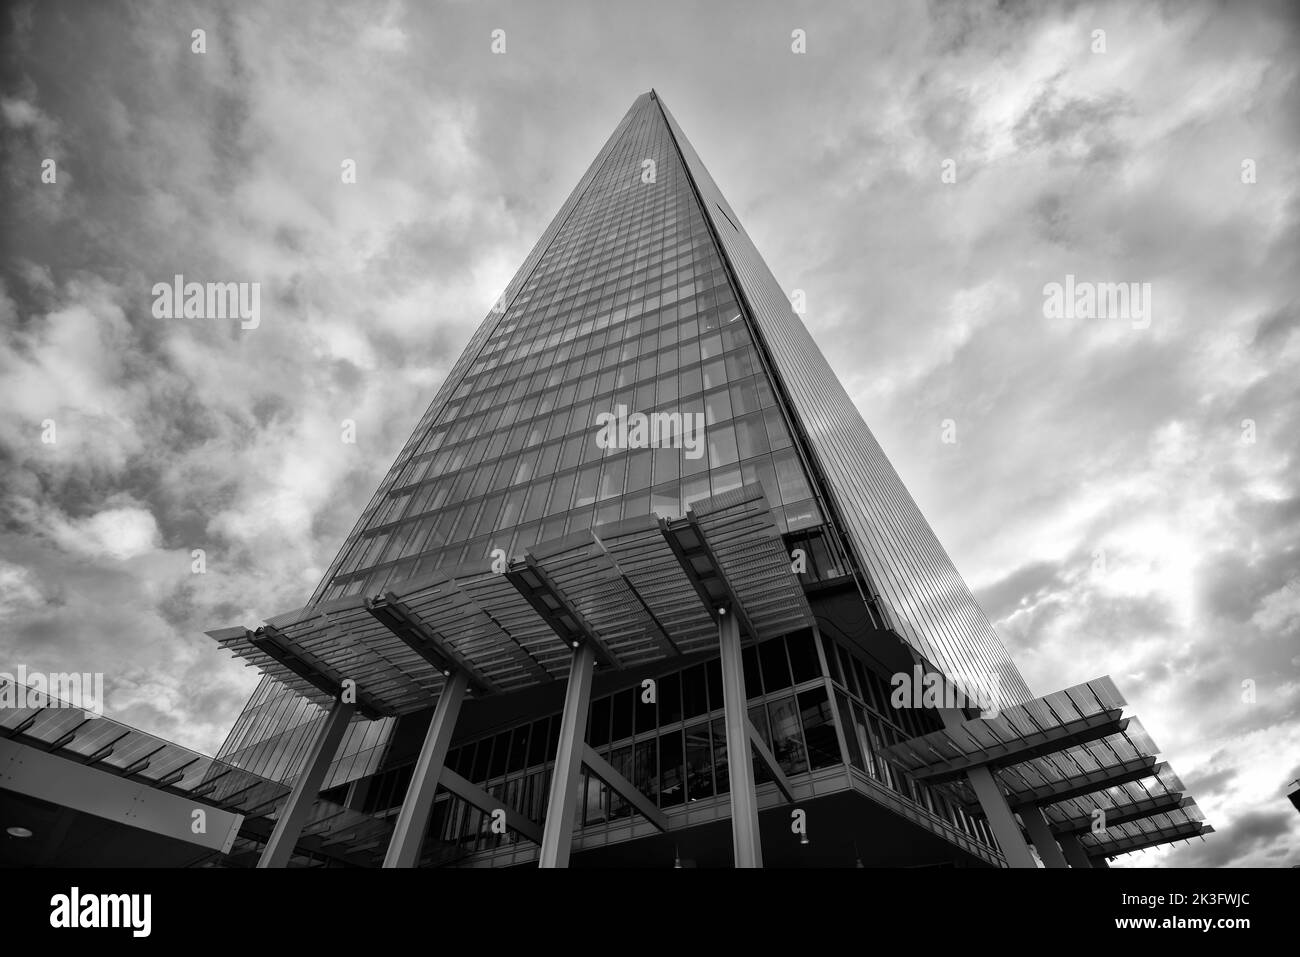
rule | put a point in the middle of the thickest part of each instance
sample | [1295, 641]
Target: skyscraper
[642, 414]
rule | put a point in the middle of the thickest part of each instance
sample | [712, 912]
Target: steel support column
[413, 818]
[993, 803]
[1074, 852]
[1001, 821]
[289, 824]
[557, 835]
[746, 842]
[1041, 835]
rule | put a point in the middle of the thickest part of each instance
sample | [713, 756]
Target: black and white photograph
[616, 436]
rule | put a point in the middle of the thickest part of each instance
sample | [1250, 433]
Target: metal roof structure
[1069, 753]
[53, 726]
[639, 591]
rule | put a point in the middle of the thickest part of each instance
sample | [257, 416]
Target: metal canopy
[637, 591]
[1161, 791]
[1177, 825]
[749, 558]
[1016, 734]
[55, 727]
[1069, 753]
[1081, 769]
[657, 576]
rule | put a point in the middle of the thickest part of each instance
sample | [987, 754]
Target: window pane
[500, 754]
[562, 493]
[599, 734]
[595, 794]
[622, 716]
[670, 699]
[553, 736]
[803, 514]
[717, 408]
[462, 760]
[863, 737]
[667, 465]
[832, 660]
[572, 451]
[514, 505]
[621, 760]
[484, 752]
[586, 490]
[762, 471]
[695, 488]
[671, 790]
[744, 397]
[645, 768]
[691, 381]
[699, 762]
[724, 480]
[787, 741]
[864, 686]
[694, 698]
[846, 667]
[715, 374]
[803, 656]
[819, 728]
[689, 352]
[776, 671]
[741, 363]
[777, 434]
[789, 476]
[714, 670]
[722, 445]
[537, 498]
[638, 472]
[646, 713]
[518, 749]
[665, 501]
[638, 504]
[751, 436]
[753, 684]
[611, 478]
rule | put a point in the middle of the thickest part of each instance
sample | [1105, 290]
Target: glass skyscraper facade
[645, 293]
[630, 305]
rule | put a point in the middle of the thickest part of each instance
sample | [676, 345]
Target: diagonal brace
[623, 788]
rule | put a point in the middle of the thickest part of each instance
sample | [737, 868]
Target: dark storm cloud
[1253, 831]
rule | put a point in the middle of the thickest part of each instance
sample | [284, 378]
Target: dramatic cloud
[1123, 493]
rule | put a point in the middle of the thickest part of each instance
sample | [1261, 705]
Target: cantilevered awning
[1179, 825]
[54, 727]
[1129, 755]
[1069, 753]
[1120, 803]
[639, 591]
[1038, 727]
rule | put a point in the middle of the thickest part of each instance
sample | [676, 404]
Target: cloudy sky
[1106, 496]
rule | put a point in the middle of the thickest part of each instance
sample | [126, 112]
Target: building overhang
[638, 591]
[111, 778]
[1182, 825]
[1092, 770]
